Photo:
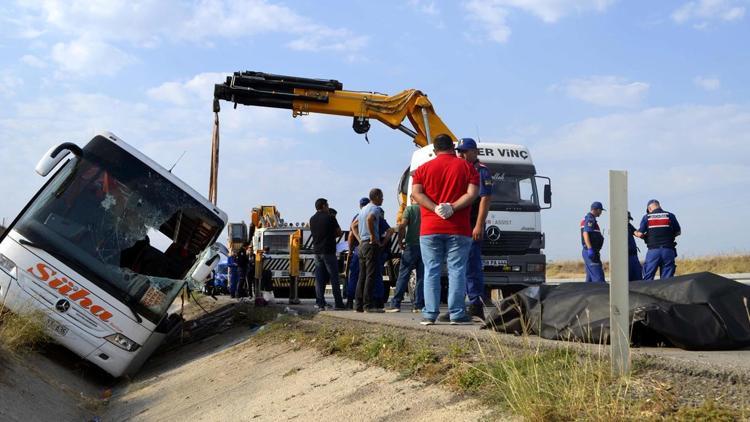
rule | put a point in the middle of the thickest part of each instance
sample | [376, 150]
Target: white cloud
[707, 83]
[551, 11]
[195, 95]
[692, 158]
[33, 61]
[9, 82]
[339, 41]
[107, 28]
[492, 15]
[610, 91]
[703, 11]
[85, 56]
[198, 88]
[427, 7]
[661, 136]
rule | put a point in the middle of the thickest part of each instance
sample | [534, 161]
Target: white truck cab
[513, 242]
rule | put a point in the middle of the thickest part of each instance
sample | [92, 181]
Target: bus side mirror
[54, 155]
[203, 270]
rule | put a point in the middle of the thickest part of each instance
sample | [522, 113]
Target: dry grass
[20, 332]
[719, 264]
[562, 384]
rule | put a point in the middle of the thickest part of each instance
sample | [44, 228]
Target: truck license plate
[494, 262]
[55, 326]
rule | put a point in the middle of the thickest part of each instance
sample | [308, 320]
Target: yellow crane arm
[326, 96]
[304, 96]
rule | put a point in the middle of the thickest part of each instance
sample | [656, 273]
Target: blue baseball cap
[465, 144]
[364, 201]
[596, 205]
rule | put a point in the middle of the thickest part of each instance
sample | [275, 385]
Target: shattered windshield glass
[122, 225]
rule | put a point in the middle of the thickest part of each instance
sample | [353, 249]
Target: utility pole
[619, 315]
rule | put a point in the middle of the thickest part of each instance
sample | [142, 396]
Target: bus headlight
[8, 266]
[535, 268]
[122, 342]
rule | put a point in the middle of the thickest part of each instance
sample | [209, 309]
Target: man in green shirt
[411, 258]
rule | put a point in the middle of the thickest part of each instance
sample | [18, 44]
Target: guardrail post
[619, 315]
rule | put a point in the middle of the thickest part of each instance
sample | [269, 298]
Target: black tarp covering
[701, 311]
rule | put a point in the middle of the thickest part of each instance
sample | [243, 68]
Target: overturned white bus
[103, 249]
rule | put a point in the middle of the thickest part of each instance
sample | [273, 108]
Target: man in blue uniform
[467, 149]
[353, 240]
[635, 271]
[659, 229]
[592, 242]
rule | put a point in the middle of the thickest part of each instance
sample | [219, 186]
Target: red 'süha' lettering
[65, 286]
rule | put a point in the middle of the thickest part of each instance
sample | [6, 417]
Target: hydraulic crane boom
[304, 96]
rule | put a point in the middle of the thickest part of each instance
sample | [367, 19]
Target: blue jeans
[411, 258]
[454, 250]
[327, 268]
[475, 274]
[635, 271]
[661, 259]
[594, 270]
[351, 285]
[234, 278]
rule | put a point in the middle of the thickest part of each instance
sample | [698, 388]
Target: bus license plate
[494, 262]
[55, 326]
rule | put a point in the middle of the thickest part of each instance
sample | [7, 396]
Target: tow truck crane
[304, 96]
[512, 251]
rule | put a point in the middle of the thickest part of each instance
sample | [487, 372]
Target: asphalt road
[743, 278]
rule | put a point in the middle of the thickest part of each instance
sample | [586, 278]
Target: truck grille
[509, 243]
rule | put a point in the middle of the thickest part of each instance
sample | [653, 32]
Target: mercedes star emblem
[62, 305]
[493, 233]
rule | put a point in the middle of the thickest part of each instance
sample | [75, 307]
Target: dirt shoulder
[35, 388]
[529, 377]
[268, 380]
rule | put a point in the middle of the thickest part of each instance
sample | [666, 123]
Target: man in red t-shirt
[445, 189]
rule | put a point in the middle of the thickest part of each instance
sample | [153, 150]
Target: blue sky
[656, 88]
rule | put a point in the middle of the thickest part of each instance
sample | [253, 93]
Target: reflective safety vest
[660, 228]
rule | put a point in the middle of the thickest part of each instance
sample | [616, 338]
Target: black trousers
[368, 267]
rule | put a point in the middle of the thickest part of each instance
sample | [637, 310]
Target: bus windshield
[123, 226]
[513, 191]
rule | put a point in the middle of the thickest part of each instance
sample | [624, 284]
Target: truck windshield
[513, 191]
[123, 226]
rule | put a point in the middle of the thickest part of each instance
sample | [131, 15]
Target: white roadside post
[618, 264]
